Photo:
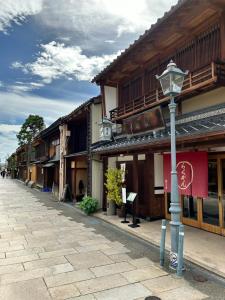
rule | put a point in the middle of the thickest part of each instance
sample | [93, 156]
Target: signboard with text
[192, 173]
[149, 120]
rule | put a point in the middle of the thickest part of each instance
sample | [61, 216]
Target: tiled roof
[141, 37]
[189, 125]
[77, 109]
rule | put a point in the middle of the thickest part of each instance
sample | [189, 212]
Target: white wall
[130, 157]
[208, 99]
[97, 180]
[110, 99]
[112, 162]
[158, 166]
[96, 118]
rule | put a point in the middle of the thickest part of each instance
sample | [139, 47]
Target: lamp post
[171, 82]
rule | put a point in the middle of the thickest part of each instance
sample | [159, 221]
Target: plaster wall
[208, 99]
[96, 118]
[111, 100]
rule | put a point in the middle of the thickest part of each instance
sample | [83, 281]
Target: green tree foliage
[114, 185]
[30, 128]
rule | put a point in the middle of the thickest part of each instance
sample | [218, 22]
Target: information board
[131, 197]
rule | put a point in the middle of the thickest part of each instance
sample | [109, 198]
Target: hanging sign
[149, 120]
[192, 173]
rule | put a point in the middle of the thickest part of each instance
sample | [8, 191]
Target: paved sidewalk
[201, 247]
[46, 253]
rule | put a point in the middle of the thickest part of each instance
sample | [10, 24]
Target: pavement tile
[143, 274]
[141, 262]
[11, 268]
[40, 263]
[92, 248]
[69, 277]
[62, 268]
[131, 292]
[25, 290]
[24, 275]
[19, 259]
[112, 269]
[184, 293]
[24, 252]
[115, 250]
[101, 283]
[85, 297]
[165, 283]
[57, 253]
[93, 242]
[85, 261]
[120, 257]
[64, 292]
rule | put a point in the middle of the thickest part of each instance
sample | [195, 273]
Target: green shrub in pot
[89, 205]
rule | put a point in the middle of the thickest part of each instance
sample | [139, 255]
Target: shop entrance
[207, 213]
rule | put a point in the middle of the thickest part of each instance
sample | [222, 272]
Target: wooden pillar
[135, 180]
[222, 35]
[105, 167]
[150, 182]
[103, 101]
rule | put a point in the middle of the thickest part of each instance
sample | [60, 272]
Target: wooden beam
[135, 180]
[103, 101]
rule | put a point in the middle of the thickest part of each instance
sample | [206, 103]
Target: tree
[30, 128]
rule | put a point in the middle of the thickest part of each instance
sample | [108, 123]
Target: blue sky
[50, 50]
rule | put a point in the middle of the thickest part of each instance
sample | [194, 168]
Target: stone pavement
[46, 254]
[208, 250]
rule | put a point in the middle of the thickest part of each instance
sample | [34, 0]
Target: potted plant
[89, 205]
[113, 185]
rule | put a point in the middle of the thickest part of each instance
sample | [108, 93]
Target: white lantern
[172, 80]
[105, 130]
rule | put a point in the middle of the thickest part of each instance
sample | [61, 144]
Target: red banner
[192, 173]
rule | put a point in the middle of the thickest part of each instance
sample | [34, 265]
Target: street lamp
[171, 82]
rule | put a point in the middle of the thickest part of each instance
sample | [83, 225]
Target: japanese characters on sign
[192, 173]
[149, 120]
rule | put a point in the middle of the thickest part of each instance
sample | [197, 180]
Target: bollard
[180, 256]
[162, 243]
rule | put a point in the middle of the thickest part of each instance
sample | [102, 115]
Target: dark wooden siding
[197, 53]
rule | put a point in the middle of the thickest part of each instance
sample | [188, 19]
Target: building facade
[193, 36]
[79, 130]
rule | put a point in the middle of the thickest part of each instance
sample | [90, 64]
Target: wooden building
[50, 151]
[78, 130]
[21, 162]
[192, 34]
[40, 157]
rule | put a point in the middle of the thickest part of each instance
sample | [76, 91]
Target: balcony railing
[196, 80]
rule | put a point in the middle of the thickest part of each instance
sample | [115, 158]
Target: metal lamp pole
[171, 81]
[175, 209]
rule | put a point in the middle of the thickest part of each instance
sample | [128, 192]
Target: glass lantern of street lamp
[171, 80]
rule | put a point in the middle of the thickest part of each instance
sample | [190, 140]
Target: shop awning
[48, 165]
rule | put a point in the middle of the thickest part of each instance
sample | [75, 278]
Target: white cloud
[16, 11]
[56, 60]
[16, 106]
[88, 16]
[8, 139]
[20, 87]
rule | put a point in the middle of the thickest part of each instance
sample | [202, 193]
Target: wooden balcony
[196, 81]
